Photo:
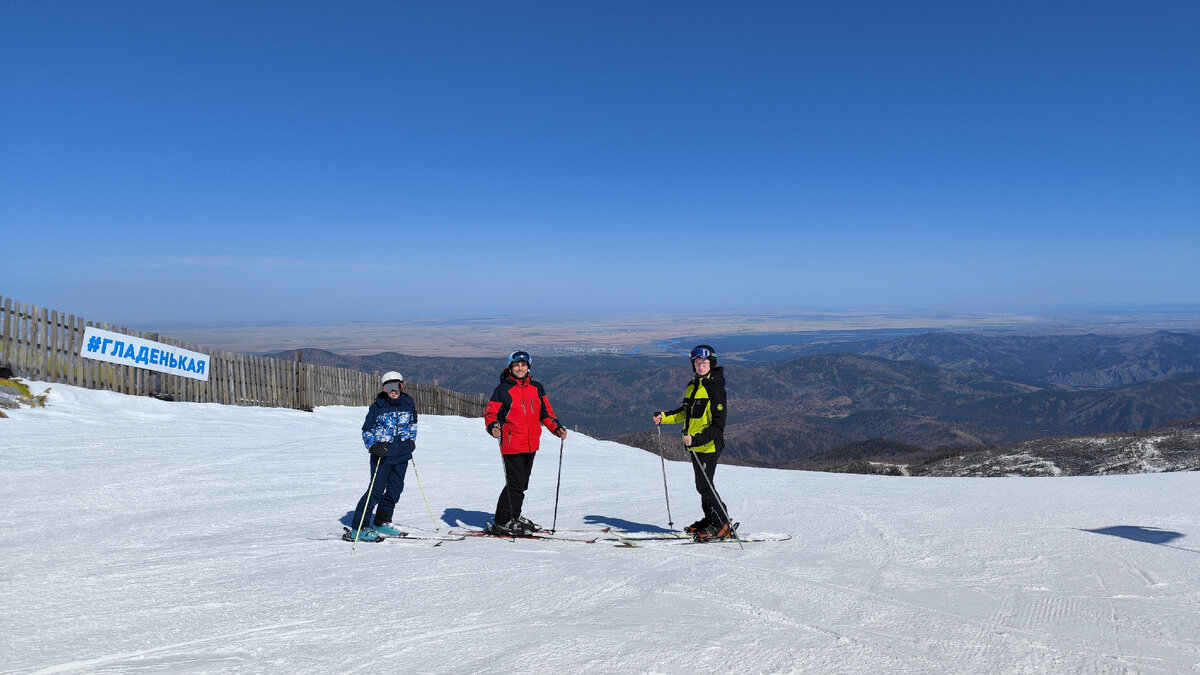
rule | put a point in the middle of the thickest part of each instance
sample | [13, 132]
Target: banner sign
[128, 350]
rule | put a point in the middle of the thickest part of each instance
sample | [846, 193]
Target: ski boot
[389, 530]
[698, 525]
[716, 532]
[365, 534]
[512, 528]
[497, 530]
[529, 524]
[518, 529]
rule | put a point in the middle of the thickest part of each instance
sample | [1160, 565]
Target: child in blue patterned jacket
[390, 434]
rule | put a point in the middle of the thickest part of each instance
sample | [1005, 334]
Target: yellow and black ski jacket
[703, 412]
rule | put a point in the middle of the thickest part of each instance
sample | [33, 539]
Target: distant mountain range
[1054, 361]
[908, 397]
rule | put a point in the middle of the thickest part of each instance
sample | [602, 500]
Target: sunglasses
[520, 356]
[391, 386]
[701, 353]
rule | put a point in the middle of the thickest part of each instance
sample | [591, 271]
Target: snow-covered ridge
[1170, 447]
[165, 537]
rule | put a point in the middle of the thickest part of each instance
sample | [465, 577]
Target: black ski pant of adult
[704, 466]
[517, 468]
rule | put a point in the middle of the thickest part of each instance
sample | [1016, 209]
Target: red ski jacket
[519, 408]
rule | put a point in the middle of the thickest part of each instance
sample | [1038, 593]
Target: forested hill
[932, 391]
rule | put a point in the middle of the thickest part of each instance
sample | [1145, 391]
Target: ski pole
[370, 489]
[670, 521]
[554, 525]
[720, 502]
[427, 506]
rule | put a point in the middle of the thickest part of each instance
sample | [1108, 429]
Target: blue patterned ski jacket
[394, 423]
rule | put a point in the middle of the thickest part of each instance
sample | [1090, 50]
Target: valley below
[873, 401]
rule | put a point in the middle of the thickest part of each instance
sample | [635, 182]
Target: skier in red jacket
[515, 415]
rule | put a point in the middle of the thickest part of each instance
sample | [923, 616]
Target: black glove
[379, 450]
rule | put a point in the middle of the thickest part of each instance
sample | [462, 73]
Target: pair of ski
[626, 538]
[581, 536]
[630, 539]
[407, 533]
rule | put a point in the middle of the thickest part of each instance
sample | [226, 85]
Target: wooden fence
[45, 345]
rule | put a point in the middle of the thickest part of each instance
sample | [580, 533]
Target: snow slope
[144, 536]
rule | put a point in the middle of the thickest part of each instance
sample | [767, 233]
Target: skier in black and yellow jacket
[703, 418]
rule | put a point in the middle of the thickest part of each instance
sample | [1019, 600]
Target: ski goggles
[701, 353]
[520, 356]
[392, 386]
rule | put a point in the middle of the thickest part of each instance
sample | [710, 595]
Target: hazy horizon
[646, 333]
[642, 332]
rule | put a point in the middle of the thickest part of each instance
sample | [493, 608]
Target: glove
[379, 450]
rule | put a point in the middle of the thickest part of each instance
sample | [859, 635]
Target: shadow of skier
[621, 524]
[1148, 535]
[462, 517]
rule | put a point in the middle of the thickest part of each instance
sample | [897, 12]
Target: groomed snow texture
[146, 536]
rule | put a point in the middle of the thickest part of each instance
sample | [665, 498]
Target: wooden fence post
[7, 326]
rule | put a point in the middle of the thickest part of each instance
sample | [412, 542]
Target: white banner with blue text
[133, 351]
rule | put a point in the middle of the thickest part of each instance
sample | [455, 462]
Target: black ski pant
[704, 466]
[517, 468]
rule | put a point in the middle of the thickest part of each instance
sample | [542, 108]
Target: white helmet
[392, 376]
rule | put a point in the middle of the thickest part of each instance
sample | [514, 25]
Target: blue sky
[221, 162]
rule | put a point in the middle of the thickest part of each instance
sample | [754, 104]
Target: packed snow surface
[145, 536]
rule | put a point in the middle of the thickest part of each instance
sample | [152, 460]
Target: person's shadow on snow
[462, 517]
[452, 517]
[479, 519]
[622, 524]
[1149, 535]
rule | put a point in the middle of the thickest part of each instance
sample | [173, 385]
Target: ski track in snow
[143, 536]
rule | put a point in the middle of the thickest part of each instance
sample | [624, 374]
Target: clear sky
[310, 161]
